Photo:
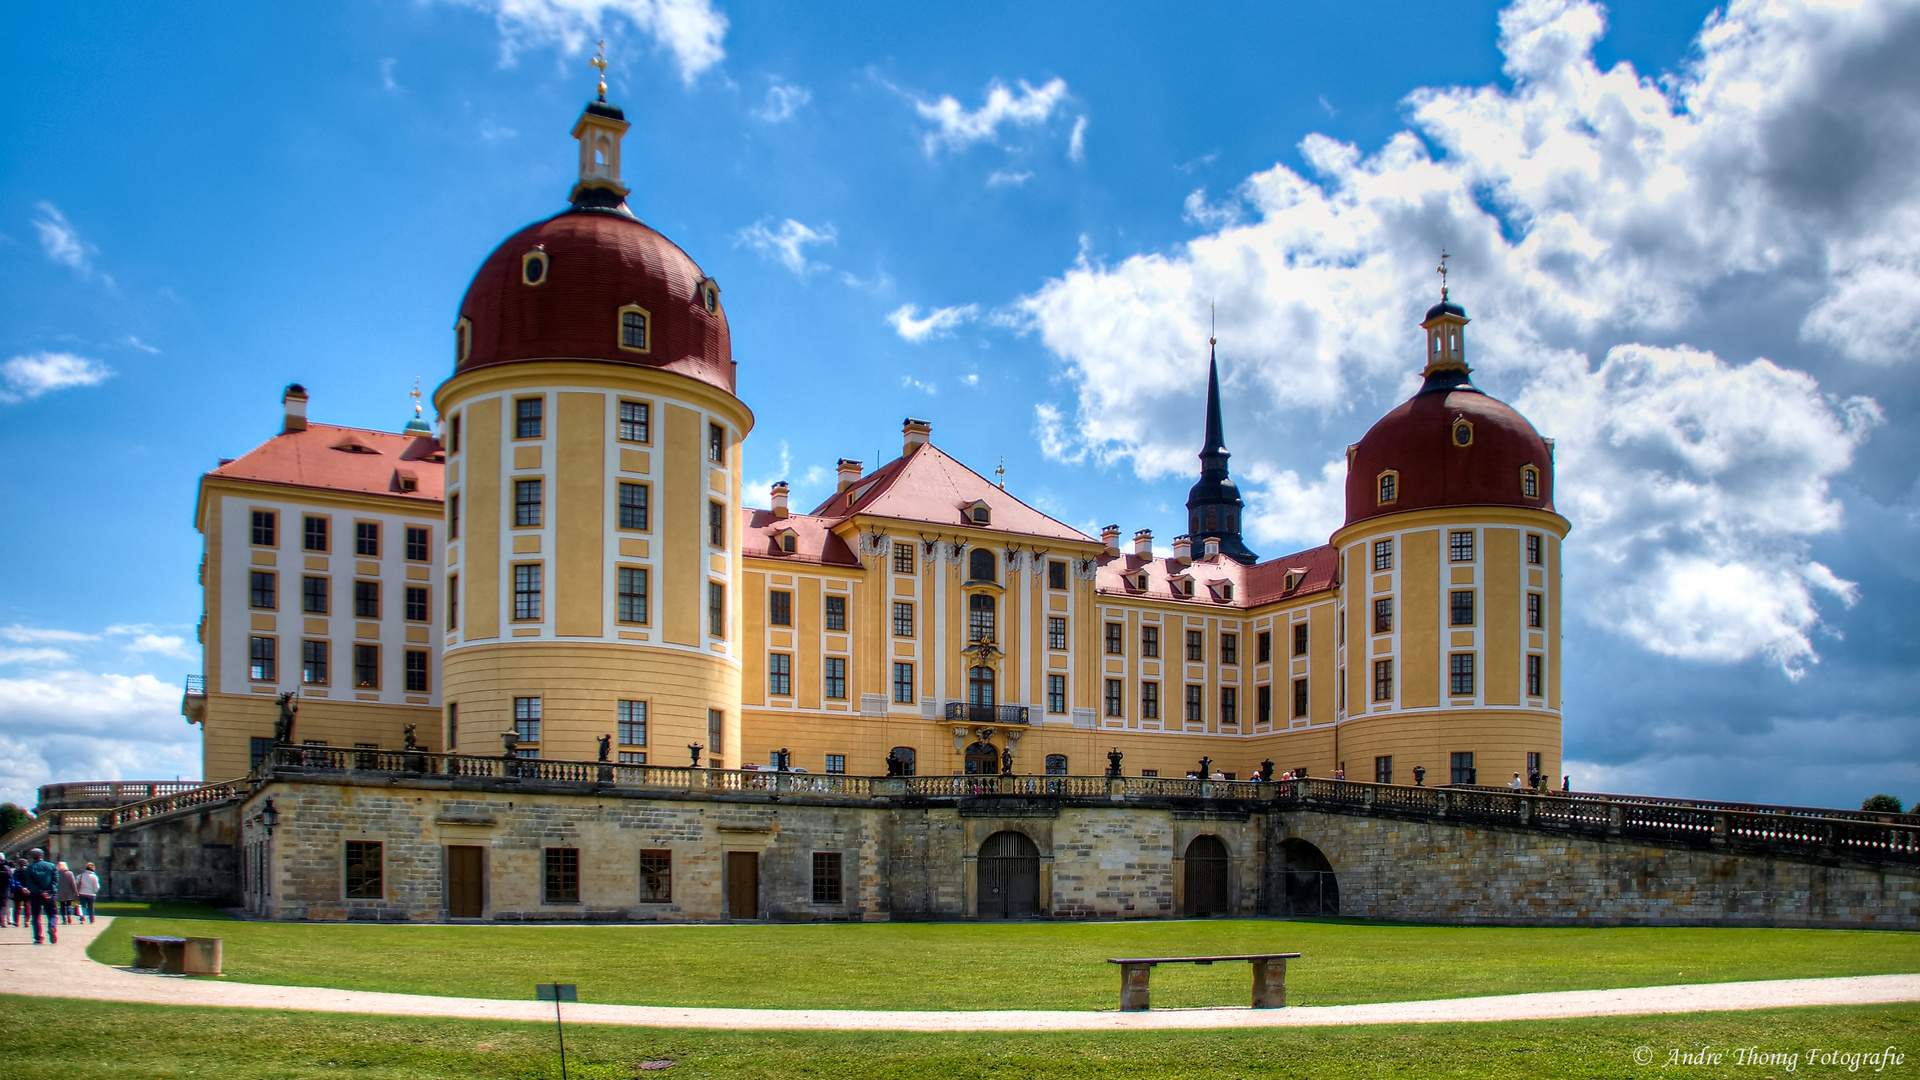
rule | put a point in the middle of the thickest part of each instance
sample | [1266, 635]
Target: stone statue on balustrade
[1006, 762]
[283, 727]
[606, 748]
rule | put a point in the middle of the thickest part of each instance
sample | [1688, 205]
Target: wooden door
[743, 885]
[1207, 876]
[463, 882]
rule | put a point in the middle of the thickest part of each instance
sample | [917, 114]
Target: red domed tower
[1450, 560]
[593, 487]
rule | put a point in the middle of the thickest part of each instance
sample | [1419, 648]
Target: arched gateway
[1009, 877]
[1307, 884]
[1206, 877]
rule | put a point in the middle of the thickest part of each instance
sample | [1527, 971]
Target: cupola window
[533, 267]
[788, 543]
[1462, 433]
[634, 324]
[1389, 487]
[462, 340]
[1530, 482]
[710, 296]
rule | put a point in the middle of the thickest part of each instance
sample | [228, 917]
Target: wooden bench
[1269, 977]
[177, 955]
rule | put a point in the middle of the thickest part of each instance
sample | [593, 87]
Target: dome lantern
[600, 129]
[1446, 327]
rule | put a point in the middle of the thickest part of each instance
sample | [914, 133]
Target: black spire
[1213, 504]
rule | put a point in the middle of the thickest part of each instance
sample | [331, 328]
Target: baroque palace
[566, 567]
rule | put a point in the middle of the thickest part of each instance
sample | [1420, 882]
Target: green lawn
[1011, 965]
[81, 1040]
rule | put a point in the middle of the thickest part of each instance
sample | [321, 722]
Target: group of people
[36, 889]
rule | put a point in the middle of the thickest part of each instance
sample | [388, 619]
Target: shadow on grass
[161, 910]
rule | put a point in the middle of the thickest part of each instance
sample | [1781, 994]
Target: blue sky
[1688, 241]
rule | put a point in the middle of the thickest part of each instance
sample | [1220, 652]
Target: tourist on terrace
[1515, 784]
[86, 887]
[43, 884]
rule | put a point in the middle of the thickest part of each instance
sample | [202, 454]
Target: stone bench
[177, 955]
[1269, 977]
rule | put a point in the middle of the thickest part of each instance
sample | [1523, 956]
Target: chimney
[1183, 549]
[849, 470]
[1213, 547]
[1143, 544]
[914, 433]
[1110, 536]
[780, 499]
[295, 401]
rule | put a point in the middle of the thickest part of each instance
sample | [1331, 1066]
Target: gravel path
[64, 970]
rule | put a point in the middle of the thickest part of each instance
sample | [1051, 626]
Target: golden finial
[600, 61]
[1213, 326]
[1443, 273]
[416, 395]
[1000, 474]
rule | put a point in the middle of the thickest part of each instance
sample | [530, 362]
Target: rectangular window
[453, 516]
[1460, 546]
[316, 533]
[1299, 699]
[1056, 693]
[416, 607]
[1533, 766]
[716, 444]
[716, 525]
[265, 528]
[1463, 770]
[1056, 574]
[313, 663]
[780, 608]
[1229, 705]
[1536, 613]
[260, 659]
[837, 763]
[416, 671]
[1263, 705]
[656, 877]
[716, 609]
[836, 613]
[1383, 680]
[1300, 639]
[1056, 632]
[902, 557]
[366, 539]
[1150, 642]
[366, 667]
[363, 870]
[528, 414]
[453, 434]
[453, 602]
[630, 583]
[1116, 690]
[780, 674]
[1193, 705]
[563, 876]
[902, 619]
[1383, 769]
[1536, 674]
[836, 677]
[1460, 608]
[633, 757]
[980, 617]
[1149, 701]
[1196, 645]
[826, 877]
[1460, 674]
[313, 595]
[1383, 615]
[635, 420]
[630, 718]
[903, 683]
[263, 590]
[1533, 549]
[1116, 639]
[1263, 647]
[453, 726]
[366, 599]
[526, 591]
[418, 541]
[633, 506]
[526, 719]
[1229, 648]
[1383, 554]
[526, 503]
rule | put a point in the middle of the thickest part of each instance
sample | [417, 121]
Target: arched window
[980, 565]
[900, 761]
[980, 613]
[1213, 519]
[1056, 764]
[1530, 482]
[633, 329]
[1389, 487]
[980, 686]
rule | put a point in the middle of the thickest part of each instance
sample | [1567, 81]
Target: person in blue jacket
[43, 884]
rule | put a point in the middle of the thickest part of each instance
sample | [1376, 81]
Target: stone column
[1269, 984]
[1133, 987]
[972, 886]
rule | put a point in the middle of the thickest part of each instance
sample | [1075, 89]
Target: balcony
[960, 712]
[193, 703]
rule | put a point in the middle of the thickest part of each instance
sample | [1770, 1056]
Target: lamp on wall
[269, 816]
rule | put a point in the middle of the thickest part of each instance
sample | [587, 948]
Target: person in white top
[86, 887]
[1515, 784]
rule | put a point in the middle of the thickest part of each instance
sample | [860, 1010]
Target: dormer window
[1462, 433]
[1140, 583]
[1292, 580]
[789, 542]
[1530, 482]
[462, 340]
[533, 267]
[634, 326]
[1388, 486]
[980, 514]
[710, 295]
[353, 446]
[1223, 592]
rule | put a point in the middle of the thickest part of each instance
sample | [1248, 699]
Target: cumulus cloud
[690, 30]
[782, 102]
[72, 725]
[27, 377]
[28, 634]
[788, 243]
[1774, 181]
[956, 127]
[940, 322]
[34, 656]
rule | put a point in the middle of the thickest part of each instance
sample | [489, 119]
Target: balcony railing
[196, 686]
[961, 712]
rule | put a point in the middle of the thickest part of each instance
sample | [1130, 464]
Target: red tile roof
[814, 542]
[927, 485]
[1262, 583]
[377, 463]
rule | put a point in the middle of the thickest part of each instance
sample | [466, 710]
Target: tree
[12, 817]
[1882, 804]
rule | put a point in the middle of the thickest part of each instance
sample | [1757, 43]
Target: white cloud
[27, 634]
[34, 656]
[165, 644]
[908, 382]
[1009, 178]
[136, 343]
[1287, 510]
[80, 725]
[691, 30]
[387, 81]
[788, 243]
[782, 102]
[956, 128]
[63, 243]
[1776, 177]
[28, 377]
[1056, 442]
[1077, 142]
[938, 323]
